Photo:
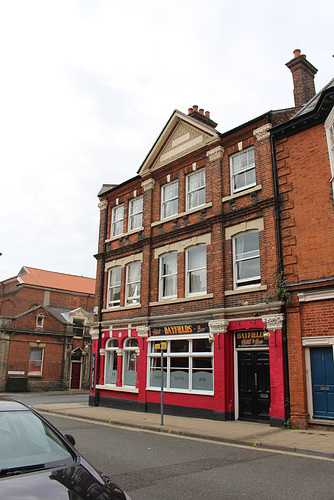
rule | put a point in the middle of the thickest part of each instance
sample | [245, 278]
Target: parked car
[37, 461]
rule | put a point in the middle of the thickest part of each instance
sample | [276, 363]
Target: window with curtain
[168, 275]
[243, 170]
[195, 187]
[114, 287]
[133, 278]
[135, 213]
[110, 374]
[35, 361]
[196, 270]
[130, 362]
[187, 365]
[117, 220]
[246, 259]
[169, 199]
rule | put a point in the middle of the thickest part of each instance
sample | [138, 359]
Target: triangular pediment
[181, 135]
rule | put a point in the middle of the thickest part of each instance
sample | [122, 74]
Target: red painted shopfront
[220, 369]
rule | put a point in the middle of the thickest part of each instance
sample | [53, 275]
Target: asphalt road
[152, 466]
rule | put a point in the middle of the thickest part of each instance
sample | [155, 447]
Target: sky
[87, 86]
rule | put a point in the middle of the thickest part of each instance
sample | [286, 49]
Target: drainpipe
[281, 270]
[103, 259]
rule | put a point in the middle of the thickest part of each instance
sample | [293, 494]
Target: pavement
[313, 442]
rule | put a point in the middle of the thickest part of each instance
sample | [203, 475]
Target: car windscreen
[26, 440]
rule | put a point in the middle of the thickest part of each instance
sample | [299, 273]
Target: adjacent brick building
[44, 330]
[304, 147]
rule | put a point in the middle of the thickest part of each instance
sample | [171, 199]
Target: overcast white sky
[87, 86]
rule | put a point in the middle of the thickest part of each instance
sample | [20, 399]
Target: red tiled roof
[59, 281]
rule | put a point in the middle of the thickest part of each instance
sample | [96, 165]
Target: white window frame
[40, 320]
[189, 271]
[163, 277]
[112, 285]
[254, 280]
[199, 188]
[117, 221]
[40, 361]
[132, 352]
[329, 127]
[169, 355]
[111, 353]
[135, 298]
[167, 202]
[247, 168]
[138, 214]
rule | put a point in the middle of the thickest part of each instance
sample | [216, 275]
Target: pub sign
[248, 339]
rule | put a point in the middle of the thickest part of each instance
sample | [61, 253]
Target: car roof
[7, 404]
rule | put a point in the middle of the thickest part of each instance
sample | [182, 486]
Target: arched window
[130, 362]
[110, 374]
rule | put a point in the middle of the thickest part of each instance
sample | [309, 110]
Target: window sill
[242, 193]
[182, 391]
[183, 299]
[246, 290]
[133, 390]
[35, 375]
[125, 234]
[182, 214]
[123, 308]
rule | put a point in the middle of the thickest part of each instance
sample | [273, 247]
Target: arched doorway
[76, 368]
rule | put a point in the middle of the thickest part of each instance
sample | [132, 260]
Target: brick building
[44, 330]
[304, 148]
[187, 260]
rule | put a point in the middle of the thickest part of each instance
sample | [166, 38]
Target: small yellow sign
[162, 346]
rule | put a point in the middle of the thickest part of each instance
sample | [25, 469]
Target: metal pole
[162, 387]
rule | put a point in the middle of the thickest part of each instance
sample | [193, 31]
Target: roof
[58, 281]
[311, 104]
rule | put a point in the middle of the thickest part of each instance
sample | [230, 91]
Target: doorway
[254, 385]
[322, 368]
[76, 358]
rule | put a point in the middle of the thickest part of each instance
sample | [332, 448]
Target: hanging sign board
[250, 338]
[180, 329]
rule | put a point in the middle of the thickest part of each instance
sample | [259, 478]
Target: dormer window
[78, 327]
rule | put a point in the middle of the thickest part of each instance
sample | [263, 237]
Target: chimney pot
[296, 52]
[195, 108]
[207, 114]
[190, 110]
[201, 111]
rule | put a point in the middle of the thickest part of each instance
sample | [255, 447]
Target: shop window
[133, 278]
[117, 220]
[243, 170]
[196, 270]
[195, 189]
[246, 259]
[187, 366]
[169, 199]
[35, 361]
[168, 275]
[114, 287]
[130, 362]
[110, 375]
[135, 213]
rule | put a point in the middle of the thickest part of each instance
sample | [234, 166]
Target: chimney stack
[303, 74]
[201, 116]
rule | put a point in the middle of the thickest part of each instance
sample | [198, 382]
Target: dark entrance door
[254, 385]
[322, 367]
[75, 375]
